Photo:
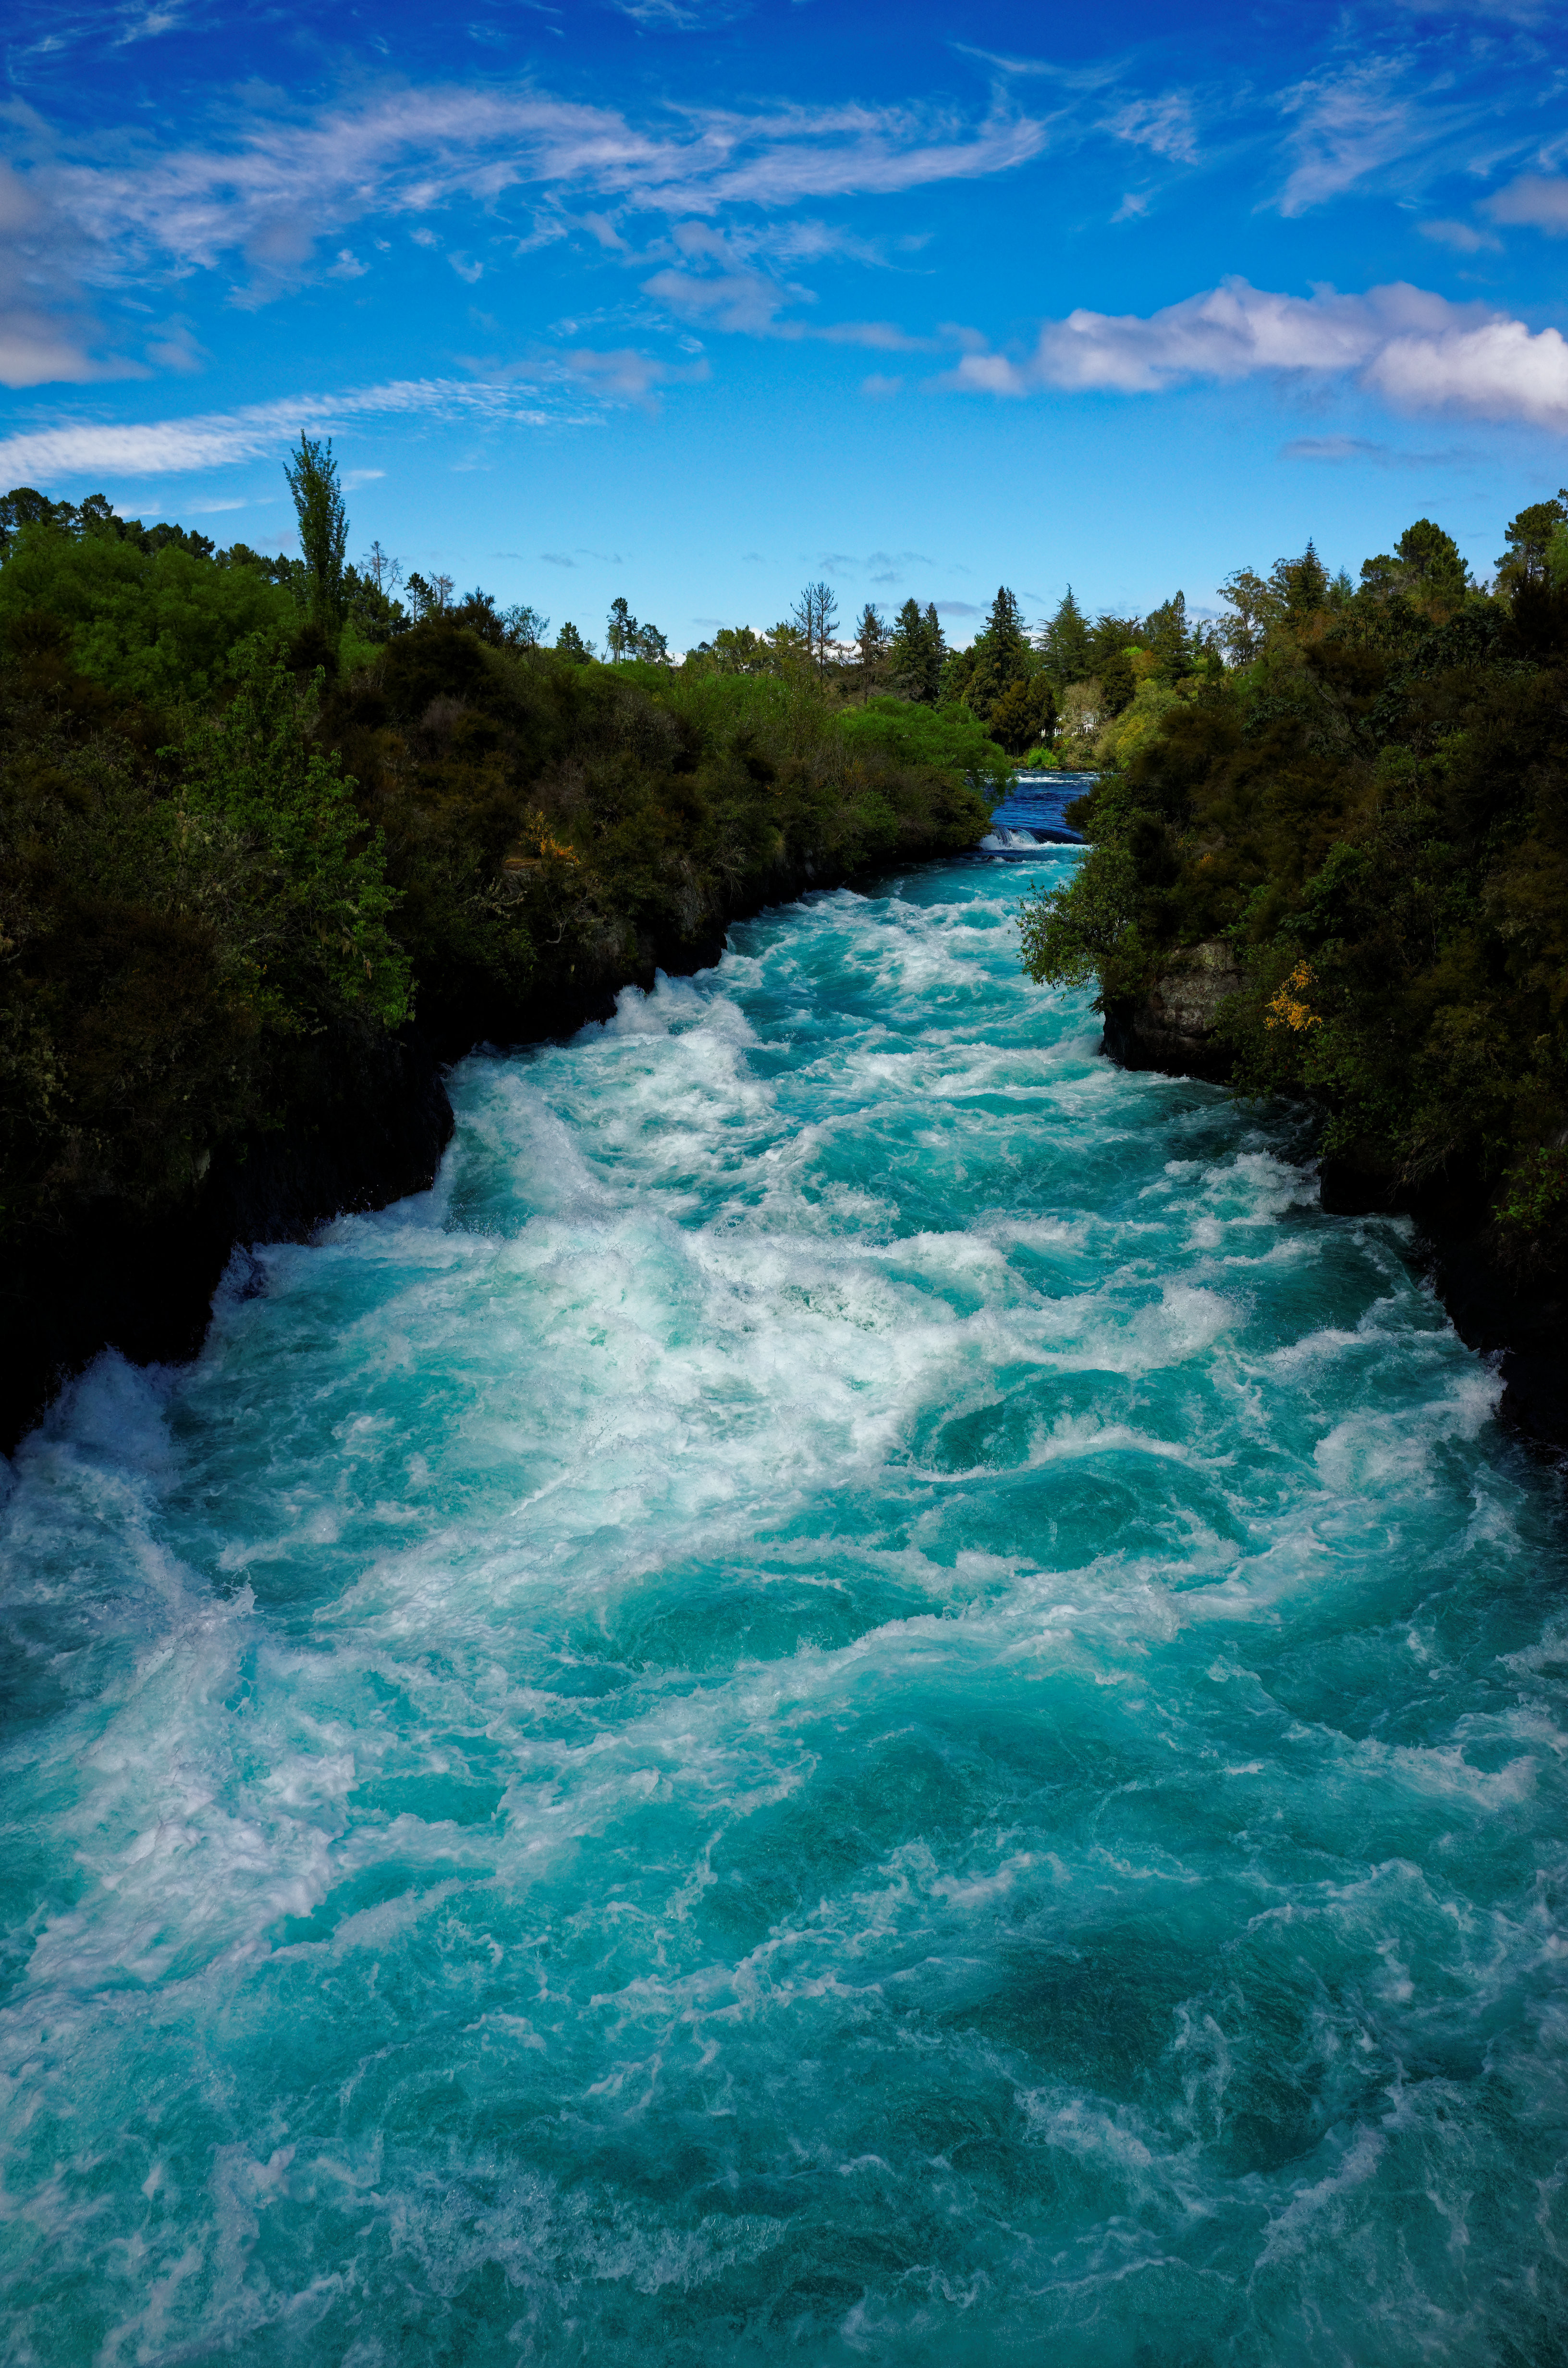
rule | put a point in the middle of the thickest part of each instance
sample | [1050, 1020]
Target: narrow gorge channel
[865, 1695]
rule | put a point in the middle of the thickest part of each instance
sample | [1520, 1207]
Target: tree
[1025, 715]
[1529, 537]
[431, 597]
[323, 530]
[1064, 644]
[918, 651]
[1423, 567]
[570, 644]
[1301, 586]
[1254, 608]
[871, 646]
[815, 615]
[1167, 636]
[999, 656]
[620, 631]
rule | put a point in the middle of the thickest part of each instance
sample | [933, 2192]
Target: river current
[864, 1696]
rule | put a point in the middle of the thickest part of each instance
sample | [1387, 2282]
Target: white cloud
[1416, 351]
[268, 193]
[1538, 200]
[1164, 124]
[218, 439]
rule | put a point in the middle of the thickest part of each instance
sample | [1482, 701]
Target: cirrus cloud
[220, 440]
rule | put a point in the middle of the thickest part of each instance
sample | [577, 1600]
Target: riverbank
[370, 1122]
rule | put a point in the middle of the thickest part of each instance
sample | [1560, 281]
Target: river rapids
[864, 1697]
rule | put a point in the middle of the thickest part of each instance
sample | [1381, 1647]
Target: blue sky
[692, 300]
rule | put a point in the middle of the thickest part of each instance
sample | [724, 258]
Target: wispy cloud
[1463, 237]
[1339, 452]
[1416, 351]
[1164, 124]
[1366, 119]
[269, 192]
[1537, 200]
[718, 282]
[218, 439]
[262, 202]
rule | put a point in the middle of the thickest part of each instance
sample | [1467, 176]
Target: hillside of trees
[278, 835]
[1369, 804]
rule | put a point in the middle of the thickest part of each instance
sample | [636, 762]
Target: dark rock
[1172, 1028]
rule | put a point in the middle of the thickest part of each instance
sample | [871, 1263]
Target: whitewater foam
[863, 1694]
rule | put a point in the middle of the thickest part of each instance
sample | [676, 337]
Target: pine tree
[1065, 643]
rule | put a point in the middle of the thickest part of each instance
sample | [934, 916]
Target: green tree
[1167, 636]
[815, 616]
[1025, 715]
[570, 644]
[871, 647]
[159, 624]
[323, 936]
[1253, 607]
[324, 530]
[918, 651]
[620, 631]
[1529, 537]
[1425, 566]
[1064, 644]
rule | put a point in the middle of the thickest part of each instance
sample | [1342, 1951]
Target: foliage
[1374, 809]
[917, 653]
[175, 928]
[252, 805]
[151, 620]
[324, 530]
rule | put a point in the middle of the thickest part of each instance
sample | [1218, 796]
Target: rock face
[1519, 1319]
[1172, 1028]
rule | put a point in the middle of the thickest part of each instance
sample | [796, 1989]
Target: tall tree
[815, 614]
[1006, 642]
[323, 528]
[871, 648]
[1064, 644]
[999, 655]
[917, 651]
[1167, 635]
[620, 631]
[1253, 608]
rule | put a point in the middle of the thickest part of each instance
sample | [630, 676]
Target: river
[864, 1697]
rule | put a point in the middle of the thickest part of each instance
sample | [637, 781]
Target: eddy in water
[865, 1696]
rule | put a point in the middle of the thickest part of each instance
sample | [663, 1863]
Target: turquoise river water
[863, 1697]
